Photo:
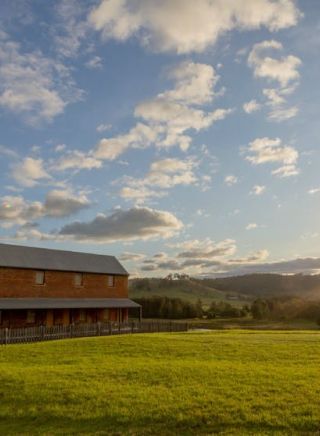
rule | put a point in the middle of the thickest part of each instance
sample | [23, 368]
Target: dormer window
[110, 281]
[40, 278]
[78, 279]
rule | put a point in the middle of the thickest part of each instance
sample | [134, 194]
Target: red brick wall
[19, 283]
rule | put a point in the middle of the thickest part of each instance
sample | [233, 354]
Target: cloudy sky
[180, 136]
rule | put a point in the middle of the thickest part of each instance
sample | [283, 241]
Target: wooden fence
[43, 333]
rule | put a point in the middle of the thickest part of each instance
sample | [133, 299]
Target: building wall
[19, 283]
[51, 317]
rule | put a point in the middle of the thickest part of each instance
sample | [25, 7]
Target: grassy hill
[223, 382]
[237, 290]
[190, 290]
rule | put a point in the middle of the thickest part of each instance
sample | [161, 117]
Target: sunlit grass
[228, 382]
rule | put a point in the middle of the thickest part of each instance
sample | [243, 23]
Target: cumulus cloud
[17, 210]
[258, 190]
[163, 174]
[251, 106]
[284, 71]
[206, 249]
[124, 225]
[231, 180]
[76, 160]
[201, 255]
[167, 119]
[33, 86]
[182, 26]
[268, 150]
[29, 172]
[64, 203]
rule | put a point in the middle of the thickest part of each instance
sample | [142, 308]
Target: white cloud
[103, 127]
[283, 71]
[29, 172]
[286, 171]
[314, 191]
[206, 249]
[251, 106]
[124, 225]
[268, 150]
[252, 226]
[17, 210]
[283, 114]
[258, 190]
[140, 136]
[33, 86]
[94, 63]
[231, 180]
[76, 160]
[70, 28]
[163, 174]
[195, 84]
[182, 26]
[168, 117]
[64, 203]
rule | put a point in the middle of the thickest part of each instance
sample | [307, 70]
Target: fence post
[98, 328]
[132, 326]
[6, 336]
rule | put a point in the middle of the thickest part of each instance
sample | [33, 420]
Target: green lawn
[226, 382]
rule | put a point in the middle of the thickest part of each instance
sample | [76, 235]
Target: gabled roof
[17, 256]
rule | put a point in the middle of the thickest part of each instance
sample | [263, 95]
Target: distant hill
[236, 290]
[187, 289]
[269, 285]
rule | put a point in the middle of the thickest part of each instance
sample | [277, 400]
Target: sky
[178, 136]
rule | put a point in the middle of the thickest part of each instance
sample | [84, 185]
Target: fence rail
[44, 333]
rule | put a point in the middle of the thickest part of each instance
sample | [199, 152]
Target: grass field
[196, 383]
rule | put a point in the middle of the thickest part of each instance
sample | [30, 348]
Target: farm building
[53, 287]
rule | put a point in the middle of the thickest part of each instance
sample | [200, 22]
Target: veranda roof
[66, 303]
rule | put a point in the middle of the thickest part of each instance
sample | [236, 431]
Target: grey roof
[66, 303]
[17, 256]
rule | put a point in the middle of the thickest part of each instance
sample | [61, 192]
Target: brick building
[52, 287]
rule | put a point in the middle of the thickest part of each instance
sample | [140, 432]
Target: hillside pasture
[196, 383]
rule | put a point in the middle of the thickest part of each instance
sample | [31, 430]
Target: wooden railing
[44, 333]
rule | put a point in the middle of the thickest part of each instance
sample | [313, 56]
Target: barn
[40, 286]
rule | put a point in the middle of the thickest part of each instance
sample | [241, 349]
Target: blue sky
[179, 136]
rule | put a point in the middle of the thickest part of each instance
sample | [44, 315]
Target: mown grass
[225, 382]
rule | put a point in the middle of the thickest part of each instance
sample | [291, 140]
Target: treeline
[176, 308]
[169, 308]
[285, 308]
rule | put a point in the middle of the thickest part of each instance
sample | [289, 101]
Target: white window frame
[80, 283]
[40, 278]
[111, 281]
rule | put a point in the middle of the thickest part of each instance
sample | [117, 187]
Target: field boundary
[44, 333]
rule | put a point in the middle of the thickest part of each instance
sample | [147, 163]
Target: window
[78, 279]
[110, 281]
[31, 316]
[82, 315]
[40, 278]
